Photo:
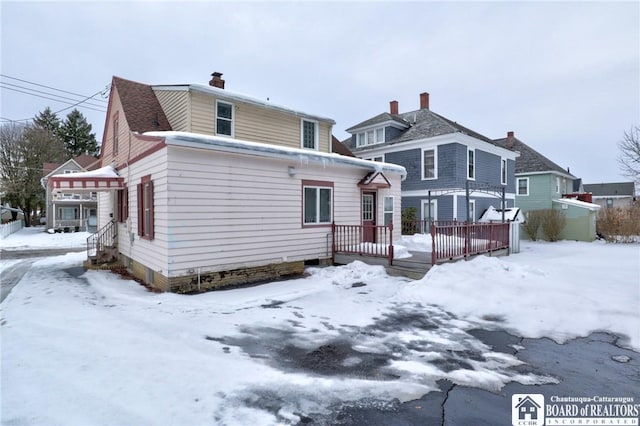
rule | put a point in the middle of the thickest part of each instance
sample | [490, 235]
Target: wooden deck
[414, 267]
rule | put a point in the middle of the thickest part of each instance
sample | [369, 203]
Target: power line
[53, 99]
[47, 93]
[45, 86]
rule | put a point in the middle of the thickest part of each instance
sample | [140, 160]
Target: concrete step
[412, 273]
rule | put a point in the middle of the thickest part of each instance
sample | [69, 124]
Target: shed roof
[339, 148]
[611, 189]
[196, 140]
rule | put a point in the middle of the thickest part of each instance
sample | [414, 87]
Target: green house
[543, 184]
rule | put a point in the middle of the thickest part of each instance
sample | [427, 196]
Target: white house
[202, 188]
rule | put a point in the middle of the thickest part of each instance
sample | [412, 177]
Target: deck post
[432, 230]
[333, 242]
[391, 244]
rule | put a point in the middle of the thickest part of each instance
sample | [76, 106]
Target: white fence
[9, 228]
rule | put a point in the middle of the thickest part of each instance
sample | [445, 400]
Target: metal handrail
[105, 237]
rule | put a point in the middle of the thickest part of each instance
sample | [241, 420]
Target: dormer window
[370, 137]
[224, 118]
[309, 130]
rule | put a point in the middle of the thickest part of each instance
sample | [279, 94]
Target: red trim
[115, 123]
[83, 182]
[147, 234]
[139, 194]
[106, 128]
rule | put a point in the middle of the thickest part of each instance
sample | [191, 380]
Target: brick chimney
[393, 107]
[424, 100]
[510, 139]
[217, 81]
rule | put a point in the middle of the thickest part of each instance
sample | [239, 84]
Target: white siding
[230, 211]
[150, 253]
[106, 206]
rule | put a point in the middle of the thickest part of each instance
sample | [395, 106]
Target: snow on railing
[368, 240]
[462, 240]
[9, 228]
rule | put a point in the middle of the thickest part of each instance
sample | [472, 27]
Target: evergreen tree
[47, 120]
[75, 132]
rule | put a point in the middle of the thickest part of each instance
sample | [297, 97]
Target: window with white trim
[430, 210]
[472, 211]
[224, 118]
[317, 204]
[557, 185]
[429, 164]
[380, 135]
[471, 164]
[388, 210]
[503, 171]
[309, 134]
[523, 186]
[370, 137]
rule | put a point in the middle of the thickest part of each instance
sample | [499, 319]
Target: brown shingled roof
[141, 107]
[339, 148]
[87, 162]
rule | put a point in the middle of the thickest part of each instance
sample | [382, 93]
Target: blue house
[453, 173]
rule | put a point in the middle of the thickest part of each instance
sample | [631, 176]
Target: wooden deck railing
[367, 240]
[461, 240]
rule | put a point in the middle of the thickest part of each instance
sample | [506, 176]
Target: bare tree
[23, 151]
[629, 158]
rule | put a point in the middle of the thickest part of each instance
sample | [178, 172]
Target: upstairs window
[309, 134]
[224, 119]
[370, 137]
[471, 164]
[503, 171]
[429, 164]
[523, 186]
[380, 135]
[116, 135]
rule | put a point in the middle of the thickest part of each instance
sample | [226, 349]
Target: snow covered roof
[495, 215]
[222, 93]
[103, 172]
[578, 203]
[219, 143]
[104, 178]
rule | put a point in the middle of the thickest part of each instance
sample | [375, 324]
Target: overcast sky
[564, 76]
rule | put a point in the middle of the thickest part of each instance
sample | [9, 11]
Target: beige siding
[202, 110]
[231, 211]
[174, 103]
[254, 123]
[150, 253]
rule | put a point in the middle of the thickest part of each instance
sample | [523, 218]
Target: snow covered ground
[37, 237]
[97, 349]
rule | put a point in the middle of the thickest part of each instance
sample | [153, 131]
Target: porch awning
[103, 179]
[374, 180]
